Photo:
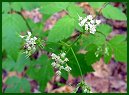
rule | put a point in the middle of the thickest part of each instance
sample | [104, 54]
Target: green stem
[100, 10]
[63, 43]
[27, 24]
[77, 63]
[104, 5]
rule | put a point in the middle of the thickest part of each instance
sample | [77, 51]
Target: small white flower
[98, 22]
[57, 65]
[83, 22]
[92, 21]
[66, 59]
[59, 61]
[67, 68]
[53, 64]
[63, 55]
[80, 18]
[89, 24]
[35, 38]
[29, 33]
[58, 73]
[30, 43]
[22, 36]
[92, 31]
[29, 48]
[90, 17]
[61, 67]
[53, 56]
[86, 27]
[85, 90]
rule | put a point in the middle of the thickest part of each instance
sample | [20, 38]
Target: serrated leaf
[17, 85]
[22, 61]
[5, 7]
[41, 71]
[90, 56]
[53, 7]
[63, 29]
[114, 13]
[96, 5]
[12, 25]
[10, 65]
[105, 29]
[82, 62]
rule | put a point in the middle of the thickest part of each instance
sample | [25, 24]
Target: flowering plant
[41, 54]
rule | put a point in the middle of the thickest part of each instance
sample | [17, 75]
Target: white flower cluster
[85, 88]
[30, 43]
[60, 62]
[89, 23]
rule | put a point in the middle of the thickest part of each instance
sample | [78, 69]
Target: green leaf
[5, 7]
[53, 7]
[96, 5]
[90, 56]
[22, 61]
[119, 45]
[99, 39]
[62, 29]
[114, 13]
[52, 47]
[75, 11]
[41, 71]
[105, 29]
[17, 85]
[37, 28]
[64, 74]
[117, 39]
[82, 62]
[120, 52]
[12, 25]
[10, 65]
[87, 40]
[17, 6]
[31, 5]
